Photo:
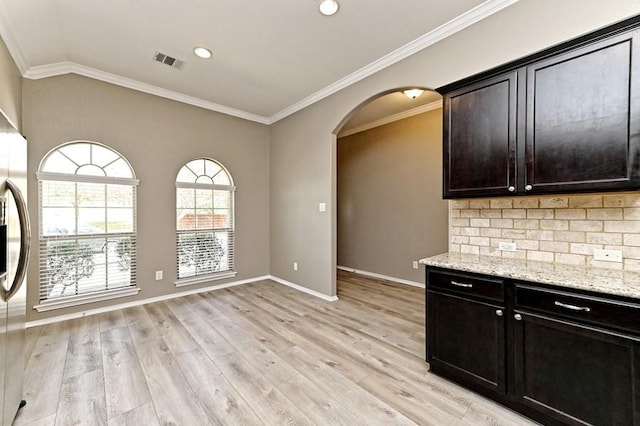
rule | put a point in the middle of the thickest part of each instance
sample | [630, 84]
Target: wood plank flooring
[255, 354]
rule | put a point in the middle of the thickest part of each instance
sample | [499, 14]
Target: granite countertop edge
[581, 277]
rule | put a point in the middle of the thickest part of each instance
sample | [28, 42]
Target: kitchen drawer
[586, 309]
[467, 285]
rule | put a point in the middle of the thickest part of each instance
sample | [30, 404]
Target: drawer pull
[517, 317]
[457, 284]
[572, 307]
[499, 312]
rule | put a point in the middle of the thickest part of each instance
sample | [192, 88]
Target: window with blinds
[87, 205]
[204, 221]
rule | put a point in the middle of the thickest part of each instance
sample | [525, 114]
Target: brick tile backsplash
[561, 229]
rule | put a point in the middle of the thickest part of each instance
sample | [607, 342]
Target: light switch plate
[158, 275]
[322, 207]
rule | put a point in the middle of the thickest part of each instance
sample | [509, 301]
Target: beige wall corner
[10, 87]
[390, 207]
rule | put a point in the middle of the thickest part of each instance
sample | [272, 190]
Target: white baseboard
[304, 289]
[295, 286]
[119, 306]
[383, 277]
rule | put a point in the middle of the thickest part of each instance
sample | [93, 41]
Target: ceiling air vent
[168, 60]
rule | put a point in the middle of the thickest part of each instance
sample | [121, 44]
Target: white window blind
[204, 220]
[87, 203]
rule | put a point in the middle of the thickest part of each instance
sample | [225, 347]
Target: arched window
[204, 222]
[87, 206]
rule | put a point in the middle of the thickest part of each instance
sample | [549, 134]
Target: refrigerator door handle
[25, 242]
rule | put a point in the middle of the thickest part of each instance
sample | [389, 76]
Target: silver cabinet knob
[518, 317]
[512, 188]
[528, 188]
[499, 312]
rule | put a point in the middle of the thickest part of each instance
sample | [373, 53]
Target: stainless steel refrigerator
[15, 238]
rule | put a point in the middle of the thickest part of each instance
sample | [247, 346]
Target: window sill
[205, 278]
[67, 302]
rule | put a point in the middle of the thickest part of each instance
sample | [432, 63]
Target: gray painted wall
[157, 136]
[282, 171]
[390, 206]
[303, 147]
[10, 87]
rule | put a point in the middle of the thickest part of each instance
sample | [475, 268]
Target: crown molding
[447, 29]
[10, 41]
[455, 25]
[390, 119]
[62, 68]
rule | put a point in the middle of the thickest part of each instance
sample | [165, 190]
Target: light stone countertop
[621, 283]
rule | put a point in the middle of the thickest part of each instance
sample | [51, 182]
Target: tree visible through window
[87, 201]
[204, 219]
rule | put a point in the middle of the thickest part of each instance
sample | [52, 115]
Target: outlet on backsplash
[502, 245]
[607, 255]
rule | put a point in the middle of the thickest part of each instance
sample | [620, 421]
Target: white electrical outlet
[505, 246]
[415, 264]
[158, 275]
[295, 266]
[322, 207]
[607, 255]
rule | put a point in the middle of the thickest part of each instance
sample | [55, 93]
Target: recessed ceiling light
[329, 7]
[202, 52]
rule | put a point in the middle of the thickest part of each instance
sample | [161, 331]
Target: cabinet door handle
[457, 284]
[528, 188]
[572, 307]
[499, 312]
[517, 317]
[512, 189]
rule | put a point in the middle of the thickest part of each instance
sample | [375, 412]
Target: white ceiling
[270, 58]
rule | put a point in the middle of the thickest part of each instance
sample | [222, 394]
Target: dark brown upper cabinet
[480, 138]
[563, 120]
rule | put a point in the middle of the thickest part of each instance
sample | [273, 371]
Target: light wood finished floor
[260, 353]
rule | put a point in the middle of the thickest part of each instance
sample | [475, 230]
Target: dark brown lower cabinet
[560, 356]
[468, 339]
[574, 373]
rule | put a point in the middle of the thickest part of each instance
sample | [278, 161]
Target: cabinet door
[466, 340]
[583, 118]
[479, 138]
[576, 374]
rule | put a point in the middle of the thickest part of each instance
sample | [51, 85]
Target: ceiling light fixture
[413, 93]
[202, 52]
[329, 7]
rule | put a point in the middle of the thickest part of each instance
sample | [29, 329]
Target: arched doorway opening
[387, 187]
